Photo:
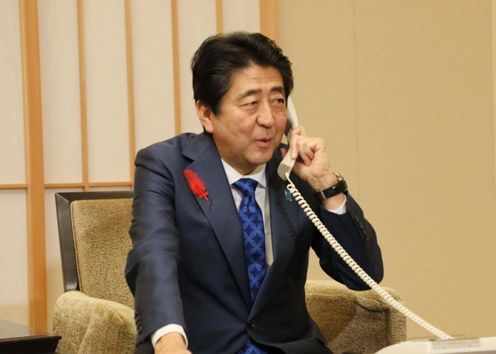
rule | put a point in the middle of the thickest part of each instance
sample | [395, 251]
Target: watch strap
[339, 187]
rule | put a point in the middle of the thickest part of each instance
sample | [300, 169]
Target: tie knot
[246, 186]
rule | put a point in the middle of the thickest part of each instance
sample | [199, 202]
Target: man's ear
[205, 115]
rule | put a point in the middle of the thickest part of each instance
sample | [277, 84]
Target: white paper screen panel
[106, 79]
[13, 284]
[11, 106]
[60, 91]
[153, 71]
[241, 15]
[197, 20]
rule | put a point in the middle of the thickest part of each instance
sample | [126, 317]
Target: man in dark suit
[218, 267]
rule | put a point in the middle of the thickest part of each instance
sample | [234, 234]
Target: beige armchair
[95, 313]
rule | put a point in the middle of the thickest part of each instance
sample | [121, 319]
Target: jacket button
[359, 222]
[252, 324]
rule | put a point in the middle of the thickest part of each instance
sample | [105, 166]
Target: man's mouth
[263, 141]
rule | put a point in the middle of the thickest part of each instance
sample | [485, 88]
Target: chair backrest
[94, 242]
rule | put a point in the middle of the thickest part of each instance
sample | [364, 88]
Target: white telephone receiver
[284, 170]
[287, 162]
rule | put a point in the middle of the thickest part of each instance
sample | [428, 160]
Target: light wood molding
[90, 185]
[63, 185]
[175, 66]
[111, 184]
[13, 186]
[82, 94]
[130, 87]
[37, 294]
[219, 16]
[268, 19]
[493, 32]
[67, 185]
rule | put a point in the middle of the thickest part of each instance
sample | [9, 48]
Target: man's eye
[279, 101]
[250, 104]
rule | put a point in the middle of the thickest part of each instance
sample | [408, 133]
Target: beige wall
[402, 91]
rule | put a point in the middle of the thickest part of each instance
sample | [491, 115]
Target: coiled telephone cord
[357, 269]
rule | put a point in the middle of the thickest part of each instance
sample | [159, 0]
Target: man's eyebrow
[279, 89]
[249, 93]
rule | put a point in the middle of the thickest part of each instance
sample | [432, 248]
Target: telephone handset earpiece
[287, 163]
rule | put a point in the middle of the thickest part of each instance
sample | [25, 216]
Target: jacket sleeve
[151, 269]
[357, 236]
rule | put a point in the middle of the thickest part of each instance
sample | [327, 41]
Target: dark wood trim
[20, 339]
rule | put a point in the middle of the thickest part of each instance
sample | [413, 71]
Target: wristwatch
[340, 187]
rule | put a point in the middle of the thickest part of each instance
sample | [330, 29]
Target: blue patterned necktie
[254, 242]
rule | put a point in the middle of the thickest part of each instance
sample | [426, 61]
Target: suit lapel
[220, 209]
[283, 216]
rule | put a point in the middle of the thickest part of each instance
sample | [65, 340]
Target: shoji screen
[113, 76]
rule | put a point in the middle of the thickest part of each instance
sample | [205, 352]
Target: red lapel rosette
[195, 184]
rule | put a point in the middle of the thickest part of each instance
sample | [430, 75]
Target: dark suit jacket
[187, 263]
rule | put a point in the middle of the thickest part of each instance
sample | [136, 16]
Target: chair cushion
[91, 325]
[353, 321]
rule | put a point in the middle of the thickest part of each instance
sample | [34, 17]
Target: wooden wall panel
[425, 116]
[323, 63]
[328, 77]
[408, 111]
[60, 87]
[11, 114]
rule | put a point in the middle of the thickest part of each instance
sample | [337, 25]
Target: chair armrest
[354, 321]
[91, 325]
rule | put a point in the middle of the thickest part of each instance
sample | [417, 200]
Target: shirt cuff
[166, 330]
[341, 210]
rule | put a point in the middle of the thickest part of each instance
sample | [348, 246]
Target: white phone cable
[356, 268]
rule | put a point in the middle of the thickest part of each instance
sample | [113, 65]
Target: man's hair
[219, 56]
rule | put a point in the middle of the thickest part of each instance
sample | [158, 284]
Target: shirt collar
[232, 175]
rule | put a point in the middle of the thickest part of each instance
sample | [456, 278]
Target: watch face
[338, 176]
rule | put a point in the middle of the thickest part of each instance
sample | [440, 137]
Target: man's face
[251, 119]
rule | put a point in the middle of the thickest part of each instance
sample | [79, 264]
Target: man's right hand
[171, 343]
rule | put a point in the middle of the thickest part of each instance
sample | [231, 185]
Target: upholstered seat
[354, 321]
[95, 313]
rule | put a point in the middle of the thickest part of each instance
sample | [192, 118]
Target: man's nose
[265, 115]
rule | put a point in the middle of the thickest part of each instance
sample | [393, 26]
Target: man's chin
[261, 160]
